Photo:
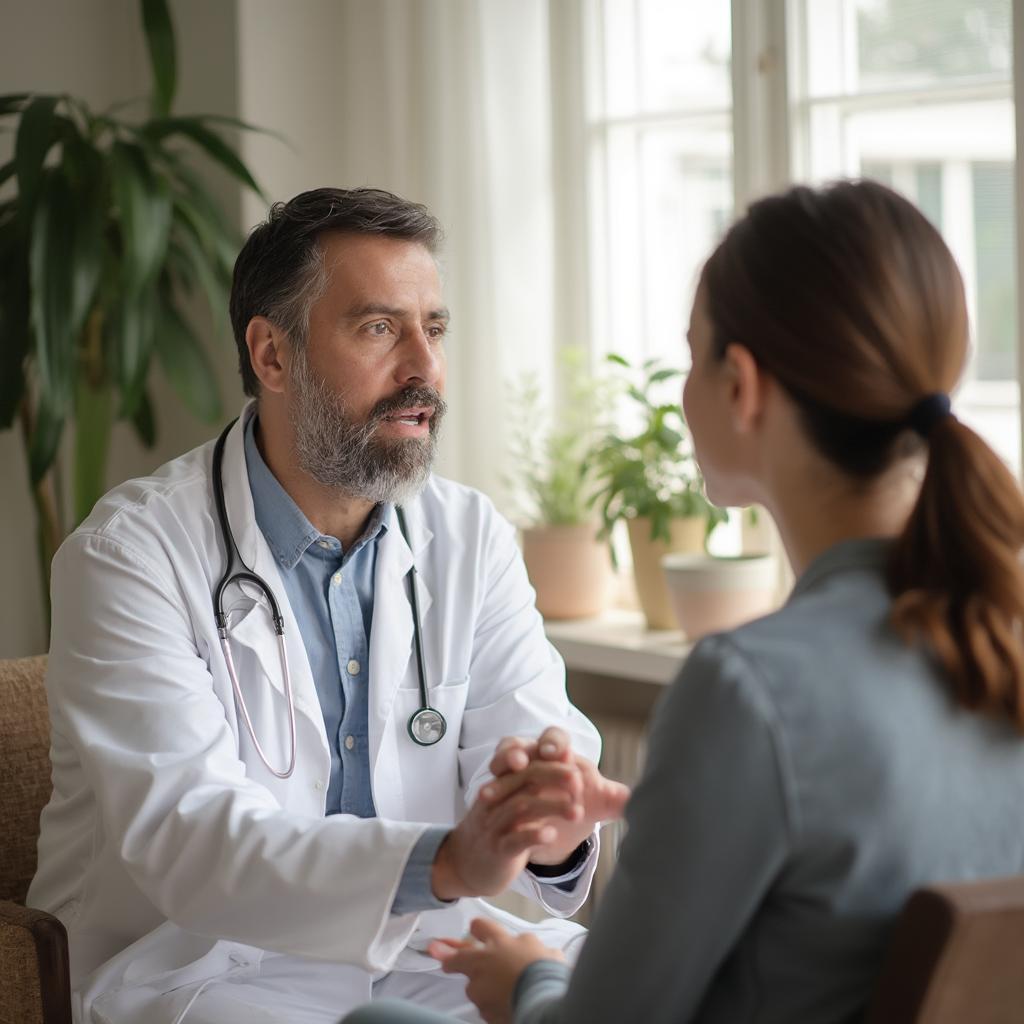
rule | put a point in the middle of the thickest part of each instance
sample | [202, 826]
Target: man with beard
[271, 793]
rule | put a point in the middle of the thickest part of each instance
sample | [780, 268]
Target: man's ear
[747, 384]
[268, 353]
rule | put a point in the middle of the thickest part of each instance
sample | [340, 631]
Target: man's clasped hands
[543, 802]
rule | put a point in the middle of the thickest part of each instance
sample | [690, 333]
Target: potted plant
[649, 478]
[569, 566]
[108, 234]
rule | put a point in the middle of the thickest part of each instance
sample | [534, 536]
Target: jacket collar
[863, 553]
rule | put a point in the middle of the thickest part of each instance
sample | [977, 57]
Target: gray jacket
[805, 773]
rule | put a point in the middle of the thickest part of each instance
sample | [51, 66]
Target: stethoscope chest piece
[427, 726]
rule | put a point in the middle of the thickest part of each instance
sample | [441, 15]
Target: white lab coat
[168, 850]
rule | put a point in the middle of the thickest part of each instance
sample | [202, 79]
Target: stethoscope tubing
[432, 720]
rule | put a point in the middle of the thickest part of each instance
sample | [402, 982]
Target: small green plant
[108, 233]
[551, 452]
[651, 473]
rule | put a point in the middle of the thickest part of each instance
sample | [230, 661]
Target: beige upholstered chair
[34, 986]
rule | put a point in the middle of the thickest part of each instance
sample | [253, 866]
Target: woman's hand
[492, 960]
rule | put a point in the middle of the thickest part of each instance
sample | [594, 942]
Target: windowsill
[618, 644]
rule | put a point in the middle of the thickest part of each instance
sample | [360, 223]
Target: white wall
[94, 49]
[445, 102]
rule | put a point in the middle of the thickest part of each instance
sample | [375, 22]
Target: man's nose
[421, 358]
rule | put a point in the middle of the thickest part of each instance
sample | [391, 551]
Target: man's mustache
[410, 397]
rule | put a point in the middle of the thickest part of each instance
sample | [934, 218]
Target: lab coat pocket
[167, 960]
[430, 775]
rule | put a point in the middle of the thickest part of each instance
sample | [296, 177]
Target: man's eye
[436, 331]
[380, 328]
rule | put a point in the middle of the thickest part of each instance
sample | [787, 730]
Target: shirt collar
[284, 525]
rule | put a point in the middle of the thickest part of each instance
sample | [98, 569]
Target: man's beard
[351, 457]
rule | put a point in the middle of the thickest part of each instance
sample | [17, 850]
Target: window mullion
[761, 161]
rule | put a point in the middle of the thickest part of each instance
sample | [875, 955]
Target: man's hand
[502, 832]
[600, 799]
[492, 961]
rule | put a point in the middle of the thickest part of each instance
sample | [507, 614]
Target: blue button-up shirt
[330, 591]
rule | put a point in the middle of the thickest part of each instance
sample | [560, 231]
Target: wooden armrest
[35, 983]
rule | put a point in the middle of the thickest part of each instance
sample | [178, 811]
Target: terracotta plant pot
[570, 570]
[686, 535]
[710, 594]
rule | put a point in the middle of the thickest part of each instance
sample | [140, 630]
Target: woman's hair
[851, 300]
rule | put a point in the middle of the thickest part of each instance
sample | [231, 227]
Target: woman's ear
[747, 384]
[265, 344]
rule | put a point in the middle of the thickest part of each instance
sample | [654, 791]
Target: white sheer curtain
[446, 102]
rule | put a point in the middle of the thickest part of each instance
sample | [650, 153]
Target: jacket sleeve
[711, 824]
[518, 679]
[212, 850]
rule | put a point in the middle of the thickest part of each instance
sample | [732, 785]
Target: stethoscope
[426, 725]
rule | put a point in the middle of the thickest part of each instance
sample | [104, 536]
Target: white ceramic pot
[709, 594]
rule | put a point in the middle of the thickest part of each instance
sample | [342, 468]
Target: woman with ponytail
[809, 770]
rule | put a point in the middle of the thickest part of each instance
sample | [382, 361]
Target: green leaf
[93, 420]
[193, 128]
[638, 395]
[87, 248]
[50, 275]
[143, 201]
[199, 216]
[186, 365]
[669, 438]
[12, 102]
[156, 20]
[666, 374]
[35, 136]
[210, 279]
[14, 330]
[46, 433]
[245, 126]
[134, 346]
[144, 421]
[613, 357]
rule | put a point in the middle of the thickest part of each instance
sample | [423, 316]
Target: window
[919, 94]
[660, 150]
[915, 93]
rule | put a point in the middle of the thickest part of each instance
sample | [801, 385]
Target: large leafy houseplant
[650, 473]
[108, 234]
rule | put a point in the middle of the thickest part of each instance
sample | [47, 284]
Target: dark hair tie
[928, 411]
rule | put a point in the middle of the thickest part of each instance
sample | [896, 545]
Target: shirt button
[350, 742]
[318, 785]
[324, 543]
[353, 667]
[336, 579]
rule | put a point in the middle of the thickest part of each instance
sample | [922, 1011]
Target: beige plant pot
[570, 570]
[686, 535]
[711, 594]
